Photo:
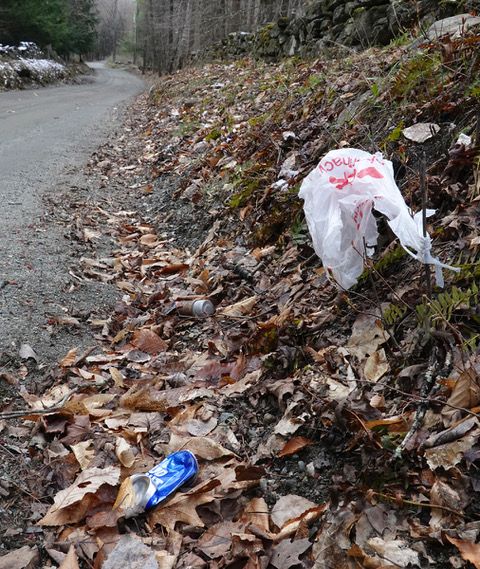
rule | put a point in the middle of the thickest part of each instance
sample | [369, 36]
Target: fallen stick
[24, 412]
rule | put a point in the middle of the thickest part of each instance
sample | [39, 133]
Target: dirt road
[46, 136]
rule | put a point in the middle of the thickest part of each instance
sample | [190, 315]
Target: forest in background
[65, 26]
[168, 32]
[159, 35]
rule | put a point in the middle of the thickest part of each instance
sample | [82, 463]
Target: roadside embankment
[27, 65]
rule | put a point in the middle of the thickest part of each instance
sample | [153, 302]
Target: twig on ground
[401, 501]
[24, 412]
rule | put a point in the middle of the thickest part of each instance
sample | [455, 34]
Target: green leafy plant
[446, 303]
[393, 313]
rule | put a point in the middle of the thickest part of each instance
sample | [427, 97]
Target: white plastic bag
[339, 197]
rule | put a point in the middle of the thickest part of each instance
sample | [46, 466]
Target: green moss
[263, 35]
[241, 196]
[315, 80]
[474, 90]
[214, 134]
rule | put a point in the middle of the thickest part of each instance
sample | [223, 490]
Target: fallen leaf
[286, 554]
[88, 482]
[174, 268]
[71, 560]
[91, 234]
[26, 352]
[289, 507]
[149, 342]
[376, 366]
[117, 377]
[49, 399]
[306, 517]
[24, 558]
[150, 240]
[449, 455]
[217, 540]
[70, 358]
[131, 553]
[396, 424]
[367, 335]
[82, 454]
[294, 445]
[183, 506]
[466, 392]
[243, 384]
[124, 452]
[469, 551]
[256, 513]
[241, 308]
[199, 428]
[201, 447]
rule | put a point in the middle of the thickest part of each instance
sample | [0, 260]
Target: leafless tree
[115, 20]
[171, 30]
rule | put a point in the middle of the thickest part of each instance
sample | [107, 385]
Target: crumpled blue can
[148, 490]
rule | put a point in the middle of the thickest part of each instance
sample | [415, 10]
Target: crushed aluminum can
[142, 492]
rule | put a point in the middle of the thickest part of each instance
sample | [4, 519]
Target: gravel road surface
[46, 137]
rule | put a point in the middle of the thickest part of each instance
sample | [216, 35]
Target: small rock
[268, 419]
[131, 553]
[288, 135]
[454, 26]
[301, 466]
[105, 165]
[290, 484]
[226, 418]
[421, 132]
[310, 469]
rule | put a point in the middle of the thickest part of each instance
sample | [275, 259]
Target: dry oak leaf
[23, 558]
[469, 551]
[367, 335]
[71, 560]
[202, 447]
[241, 308]
[117, 377]
[450, 454]
[124, 452]
[82, 453]
[294, 445]
[243, 384]
[376, 366]
[183, 506]
[466, 392]
[88, 482]
[149, 342]
[70, 358]
[287, 553]
[290, 507]
[256, 514]
[217, 540]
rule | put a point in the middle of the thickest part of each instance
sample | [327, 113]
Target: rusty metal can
[197, 308]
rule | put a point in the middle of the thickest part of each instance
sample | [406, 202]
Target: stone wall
[355, 23]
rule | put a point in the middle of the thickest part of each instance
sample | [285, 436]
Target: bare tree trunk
[174, 29]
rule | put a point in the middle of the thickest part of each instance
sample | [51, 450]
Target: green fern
[446, 303]
[393, 313]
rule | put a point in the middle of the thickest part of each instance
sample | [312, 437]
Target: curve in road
[43, 134]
